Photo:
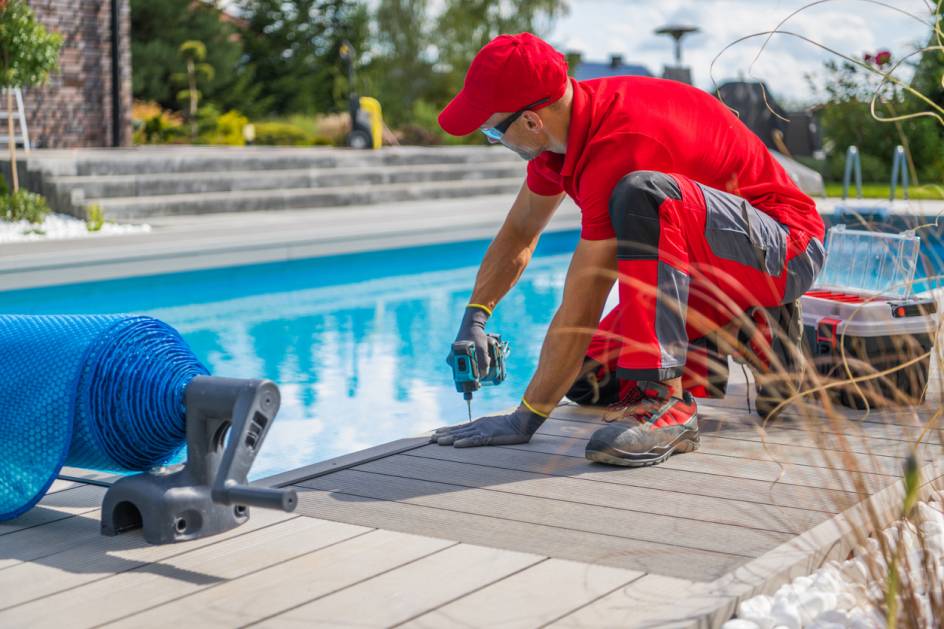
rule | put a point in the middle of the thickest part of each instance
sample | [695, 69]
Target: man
[679, 200]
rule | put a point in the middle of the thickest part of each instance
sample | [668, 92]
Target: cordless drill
[465, 367]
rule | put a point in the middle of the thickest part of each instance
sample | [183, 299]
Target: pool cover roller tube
[103, 392]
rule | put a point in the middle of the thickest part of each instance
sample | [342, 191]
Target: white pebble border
[61, 227]
[839, 595]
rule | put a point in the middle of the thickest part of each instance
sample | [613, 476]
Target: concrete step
[175, 159]
[136, 208]
[107, 186]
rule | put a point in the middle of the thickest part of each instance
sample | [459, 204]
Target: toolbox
[861, 318]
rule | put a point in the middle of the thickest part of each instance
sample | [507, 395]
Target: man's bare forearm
[510, 252]
[589, 281]
[505, 260]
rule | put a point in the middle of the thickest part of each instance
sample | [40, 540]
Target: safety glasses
[495, 133]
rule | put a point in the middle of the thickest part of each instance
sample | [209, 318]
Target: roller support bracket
[227, 421]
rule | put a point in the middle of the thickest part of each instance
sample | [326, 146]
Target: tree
[28, 53]
[847, 120]
[294, 47]
[929, 74]
[466, 25]
[401, 71]
[157, 31]
[194, 54]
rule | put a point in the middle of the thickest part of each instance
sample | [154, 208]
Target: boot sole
[688, 441]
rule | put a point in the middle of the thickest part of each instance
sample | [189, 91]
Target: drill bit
[468, 401]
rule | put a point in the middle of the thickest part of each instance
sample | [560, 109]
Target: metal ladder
[23, 138]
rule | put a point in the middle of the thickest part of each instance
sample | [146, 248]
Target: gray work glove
[496, 430]
[472, 329]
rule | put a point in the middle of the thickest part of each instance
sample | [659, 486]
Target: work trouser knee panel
[635, 212]
[737, 231]
[670, 316]
[802, 270]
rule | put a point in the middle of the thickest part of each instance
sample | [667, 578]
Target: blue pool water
[357, 343]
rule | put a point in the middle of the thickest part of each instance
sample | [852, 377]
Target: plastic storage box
[861, 319]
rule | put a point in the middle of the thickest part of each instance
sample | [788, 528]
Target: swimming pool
[357, 343]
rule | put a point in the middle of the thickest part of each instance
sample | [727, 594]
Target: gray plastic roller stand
[227, 421]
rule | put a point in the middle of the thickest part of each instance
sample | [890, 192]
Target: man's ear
[533, 120]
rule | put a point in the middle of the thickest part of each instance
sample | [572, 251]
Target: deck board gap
[472, 591]
[242, 576]
[592, 601]
[143, 563]
[349, 585]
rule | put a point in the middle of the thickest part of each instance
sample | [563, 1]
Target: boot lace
[636, 403]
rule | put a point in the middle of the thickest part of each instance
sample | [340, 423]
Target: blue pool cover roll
[99, 392]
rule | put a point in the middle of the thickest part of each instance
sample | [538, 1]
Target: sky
[599, 28]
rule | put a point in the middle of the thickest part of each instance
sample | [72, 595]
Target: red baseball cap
[508, 73]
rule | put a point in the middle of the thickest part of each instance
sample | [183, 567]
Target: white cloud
[599, 28]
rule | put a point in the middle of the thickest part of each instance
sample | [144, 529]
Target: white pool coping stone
[190, 243]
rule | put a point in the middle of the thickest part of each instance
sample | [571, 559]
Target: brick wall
[74, 108]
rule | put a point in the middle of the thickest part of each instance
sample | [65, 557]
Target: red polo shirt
[622, 124]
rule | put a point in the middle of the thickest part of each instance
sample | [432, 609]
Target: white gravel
[61, 227]
[841, 594]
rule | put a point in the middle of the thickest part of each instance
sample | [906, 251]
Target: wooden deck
[428, 536]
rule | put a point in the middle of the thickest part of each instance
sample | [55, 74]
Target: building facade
[88, 102]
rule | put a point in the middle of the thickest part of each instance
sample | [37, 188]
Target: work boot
[773, 345]
[646, 428]
[595, 386]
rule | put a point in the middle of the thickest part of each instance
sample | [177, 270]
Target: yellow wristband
[485, 308]
[532, 409]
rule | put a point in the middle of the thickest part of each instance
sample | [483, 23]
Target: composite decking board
[417, 587]
[61, 485]
[530, 598]
[513, 535]
[580, 491]
[270, 591]
[712, 418]
[775, 445]
[619, 523]
[123, 594]
[889, 453]
[659, 477]
[64, 503]
[741, 460]
[711, 430]
[789, 418]
[649, 602]
[344, 461]
[35, 543]
[855, 436]
[82, 562]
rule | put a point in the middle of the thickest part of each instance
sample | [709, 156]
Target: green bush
[282, 134]
[23, 206]
[159, 129]
[94, 217]
[4, 190]
[207, 116]
[227, 129]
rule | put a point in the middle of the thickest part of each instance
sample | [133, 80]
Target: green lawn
[880, 191]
